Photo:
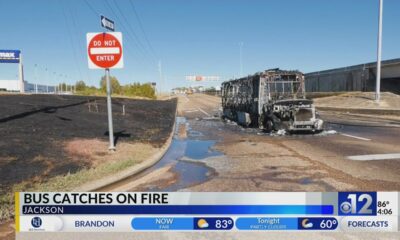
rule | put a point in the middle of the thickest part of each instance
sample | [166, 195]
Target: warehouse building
[355, 78]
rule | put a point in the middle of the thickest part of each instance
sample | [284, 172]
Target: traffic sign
[107, 23]
[9, 56]
[105, 50]
[202, 78]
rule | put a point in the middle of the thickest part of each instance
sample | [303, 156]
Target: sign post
[109, 111]
[105, 52]
[21, 75]
[14, 56]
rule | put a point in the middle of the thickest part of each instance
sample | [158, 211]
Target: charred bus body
[272, 100]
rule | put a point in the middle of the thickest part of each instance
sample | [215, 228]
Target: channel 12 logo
[357, 203]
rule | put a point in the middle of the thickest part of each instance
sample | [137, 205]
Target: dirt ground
[360, 100]
[49, 135]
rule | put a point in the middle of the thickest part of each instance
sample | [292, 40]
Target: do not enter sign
[105, 50]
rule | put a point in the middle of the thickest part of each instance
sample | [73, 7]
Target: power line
[97, 14]
[140, 49]
[127, 23]
[91, 8]
[142, 29]
[74, 52]
[129, 29]
[78, 29]
[240, 58]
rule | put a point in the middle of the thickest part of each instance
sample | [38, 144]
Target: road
[209, 154]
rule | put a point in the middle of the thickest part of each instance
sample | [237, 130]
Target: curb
[129, 172]
[395, 112]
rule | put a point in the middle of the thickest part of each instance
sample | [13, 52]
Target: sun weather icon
[202, 223]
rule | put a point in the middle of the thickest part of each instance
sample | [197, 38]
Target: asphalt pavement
[208, 154]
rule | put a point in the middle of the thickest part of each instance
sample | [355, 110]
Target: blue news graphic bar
[267, 224]
[162, 223]
[182, 223]
[179, 209]
[294, 223]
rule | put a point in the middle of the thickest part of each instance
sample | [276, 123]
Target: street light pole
[241, 62]
[379, 57]
[36, 79]
[161, 81]
[47, 79]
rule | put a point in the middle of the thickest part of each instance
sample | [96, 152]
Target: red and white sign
[202, 78]
[105, 50]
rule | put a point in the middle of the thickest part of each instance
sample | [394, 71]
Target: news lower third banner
[206, 211]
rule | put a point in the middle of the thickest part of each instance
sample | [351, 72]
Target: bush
[140, 90]
[116, 87]
[129, 90]
[80, 86]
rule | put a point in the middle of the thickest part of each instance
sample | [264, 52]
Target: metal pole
[109, 110]
[55, 86]
[62, 85]
[36, 77]
[241, 62]
[47, 79]
[378, 63]
[21, 75]
[160, 73]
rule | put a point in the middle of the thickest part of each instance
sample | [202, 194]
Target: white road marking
[191, 110]
[352, 136]
[187, 99]
[206, 113]
[375, 157]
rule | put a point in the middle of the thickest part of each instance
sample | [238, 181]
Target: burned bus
[271, 100]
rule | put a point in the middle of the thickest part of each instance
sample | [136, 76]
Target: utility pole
[66, 83]
[46, 80]
[58, 85]
[160, 72]
[62, 84]
[55, 84]
[241, 62]
[36, 80]
[379, 57]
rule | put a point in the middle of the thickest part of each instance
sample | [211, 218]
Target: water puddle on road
[184, 156]
[200, 149]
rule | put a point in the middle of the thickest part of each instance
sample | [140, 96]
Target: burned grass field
[48, 135]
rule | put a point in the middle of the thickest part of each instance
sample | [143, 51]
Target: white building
[10, 85]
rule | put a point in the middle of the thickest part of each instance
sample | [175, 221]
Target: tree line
[131, 90]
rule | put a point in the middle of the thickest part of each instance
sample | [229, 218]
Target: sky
[188, 37]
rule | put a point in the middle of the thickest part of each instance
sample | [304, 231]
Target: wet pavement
[185, 156]
[209, 154]
[184, 159]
